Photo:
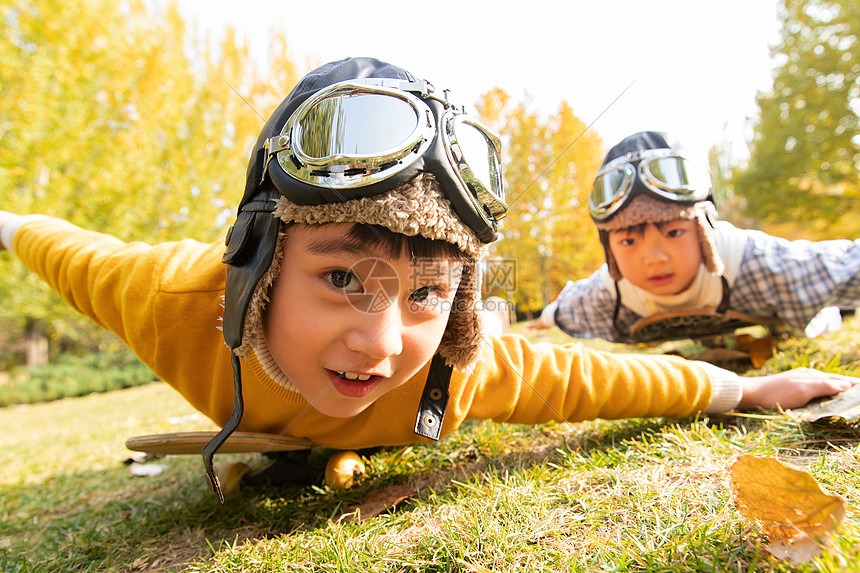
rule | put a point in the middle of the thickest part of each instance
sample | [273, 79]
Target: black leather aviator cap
[252, 239]
[635, 143]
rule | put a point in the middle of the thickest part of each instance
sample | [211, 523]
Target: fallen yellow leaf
[377, 501]
[794, 511]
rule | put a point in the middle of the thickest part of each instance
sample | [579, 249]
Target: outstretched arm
[531, 383]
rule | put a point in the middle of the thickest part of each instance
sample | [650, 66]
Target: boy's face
[662, 260]
[347, 324]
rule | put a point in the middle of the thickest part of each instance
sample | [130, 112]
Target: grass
[634, 495]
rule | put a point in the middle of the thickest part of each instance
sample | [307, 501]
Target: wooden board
[694, 323]
[180, 443]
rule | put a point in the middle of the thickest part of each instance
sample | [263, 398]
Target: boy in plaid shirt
[665, 251]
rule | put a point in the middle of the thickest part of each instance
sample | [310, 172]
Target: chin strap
[231, 425]
[727, 290]
[434, 400]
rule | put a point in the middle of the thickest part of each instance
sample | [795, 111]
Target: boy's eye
[427, 297]
[675, 233]
[344, 280]
[425, 293]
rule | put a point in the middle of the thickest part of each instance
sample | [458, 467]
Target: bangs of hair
[640, 228]
[634, 230]
[392, 244]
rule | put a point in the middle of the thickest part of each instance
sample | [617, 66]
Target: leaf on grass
[760, 350]
[844, 405]
[794, 511]
[377, 501]
[798, 550]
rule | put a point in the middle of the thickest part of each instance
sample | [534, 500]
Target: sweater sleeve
[126, 287]
[521, 382]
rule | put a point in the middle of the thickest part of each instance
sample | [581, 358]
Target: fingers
[833, 385]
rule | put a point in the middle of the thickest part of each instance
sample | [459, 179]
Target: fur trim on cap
[645, 209]
[417, 207]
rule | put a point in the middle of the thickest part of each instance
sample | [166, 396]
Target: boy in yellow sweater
[349, 294]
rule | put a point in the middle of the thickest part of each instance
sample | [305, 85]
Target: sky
[689, 69]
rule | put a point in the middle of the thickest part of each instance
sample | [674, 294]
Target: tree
[549, 169]
[805, 150]
[112, 118]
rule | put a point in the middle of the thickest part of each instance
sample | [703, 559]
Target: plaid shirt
[792, 280]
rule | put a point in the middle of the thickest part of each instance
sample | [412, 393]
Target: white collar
[270, 367]
[706, 291]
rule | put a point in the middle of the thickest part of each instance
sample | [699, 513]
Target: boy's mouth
[353, 376]
[354, 384]
[660, 280]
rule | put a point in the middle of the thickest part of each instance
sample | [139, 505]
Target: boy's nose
[656, 255]
[654, 252]
[378, 334]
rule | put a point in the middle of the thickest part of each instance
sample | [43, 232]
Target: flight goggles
[662, 172]
[359, 138]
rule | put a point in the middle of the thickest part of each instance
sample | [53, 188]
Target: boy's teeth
[354, 376]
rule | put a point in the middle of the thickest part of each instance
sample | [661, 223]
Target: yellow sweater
[165, 302]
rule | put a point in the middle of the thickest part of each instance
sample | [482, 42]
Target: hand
[791, 389]
[536, 325]
[5, 217]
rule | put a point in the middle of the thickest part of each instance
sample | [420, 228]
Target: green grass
[635, 495]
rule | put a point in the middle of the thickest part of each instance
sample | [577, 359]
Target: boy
[666, 251]
[350, 288]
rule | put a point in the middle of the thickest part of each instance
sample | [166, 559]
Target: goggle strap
[261, 164]
[422, 87]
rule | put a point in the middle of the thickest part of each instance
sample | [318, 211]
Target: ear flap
[250, 250]
[462, 342]
[610, 260]
[705, 216]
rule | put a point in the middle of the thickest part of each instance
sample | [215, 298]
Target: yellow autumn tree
[549, 164]
[112, 116]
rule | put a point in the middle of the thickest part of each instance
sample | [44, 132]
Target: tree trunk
[36, 344]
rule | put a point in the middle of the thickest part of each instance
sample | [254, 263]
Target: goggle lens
[668, 173]
[480, 166]
[362, 124]
[662, 173]
[358, 133]
[610, 186]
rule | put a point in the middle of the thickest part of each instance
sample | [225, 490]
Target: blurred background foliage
[113, 116]
[117, 117]
[801, 180]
